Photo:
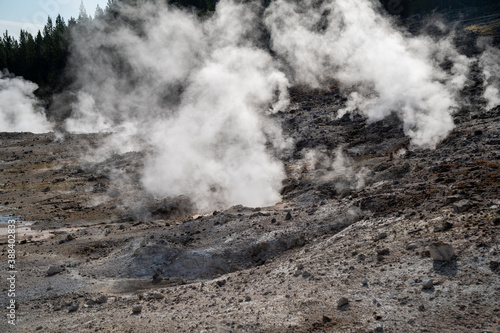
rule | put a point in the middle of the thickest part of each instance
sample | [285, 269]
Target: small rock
[496, 221]
[495, 266]
[462, 206]
[441, 251]
[56, 307]
[288, 216]
[70, 237]
[421, 308]
[412, 246]
[221, 283]
[364, 282]
[157, 278]
[73, 307]
[380, 236]
[53, 270]
[445, 226]
[306, 275]
[383, 252]
[427, 284]
[39, 328]
[326, 319]
[157, 295]
[342, 302]
[248, 298]
[137, 308]
[101, 299]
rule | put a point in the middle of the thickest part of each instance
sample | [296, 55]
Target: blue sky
[32, 15]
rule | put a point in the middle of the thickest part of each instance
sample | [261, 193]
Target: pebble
[412, 246]
[137, 308]
[73, 307]
[53, 270]
[326, 319]
[158, 295]
[342, 302]
[364, 281]
[157, 278]
[461, 206]
[101, 299]
[288, 216]
[221, 283]
[427, 284]
[441, 251]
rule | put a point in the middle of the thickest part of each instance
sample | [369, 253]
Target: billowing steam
[490, 63]
[19, 110]
[197, 92]
[386, 69]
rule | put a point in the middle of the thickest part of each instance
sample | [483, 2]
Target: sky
[31, 15]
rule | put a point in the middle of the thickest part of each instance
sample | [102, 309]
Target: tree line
[42, 58]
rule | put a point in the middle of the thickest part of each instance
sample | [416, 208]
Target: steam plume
[387, 69]
[197, 93]
[489, 62]
[19, 110]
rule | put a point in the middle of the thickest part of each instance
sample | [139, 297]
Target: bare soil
[283, 268]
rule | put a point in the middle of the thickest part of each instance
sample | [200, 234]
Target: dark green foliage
[40, 59]
[43, 58]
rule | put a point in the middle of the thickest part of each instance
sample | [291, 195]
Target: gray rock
[157, 278]
[462, 206]
[441, 251]
[342, 302]
[364, 281]
[157, 295]
[53, 270]
[288, 216]
[427, 284]
[412, 246]
[137, 308]
[73, 307]
[221, 283]
[101, 299]
[306, 275]
[381, 235]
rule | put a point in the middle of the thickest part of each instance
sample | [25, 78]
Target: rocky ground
[356, 245]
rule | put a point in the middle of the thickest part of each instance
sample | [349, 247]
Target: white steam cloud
[19, 110]
[490, 64]
[197, 93]
[388, 69]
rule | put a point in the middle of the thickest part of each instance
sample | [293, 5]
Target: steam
[489, 62]
[341, 169]
[386, 69]
[19, 110]
[197, 93]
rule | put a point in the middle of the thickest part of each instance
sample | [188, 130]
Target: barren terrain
[90, 255]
